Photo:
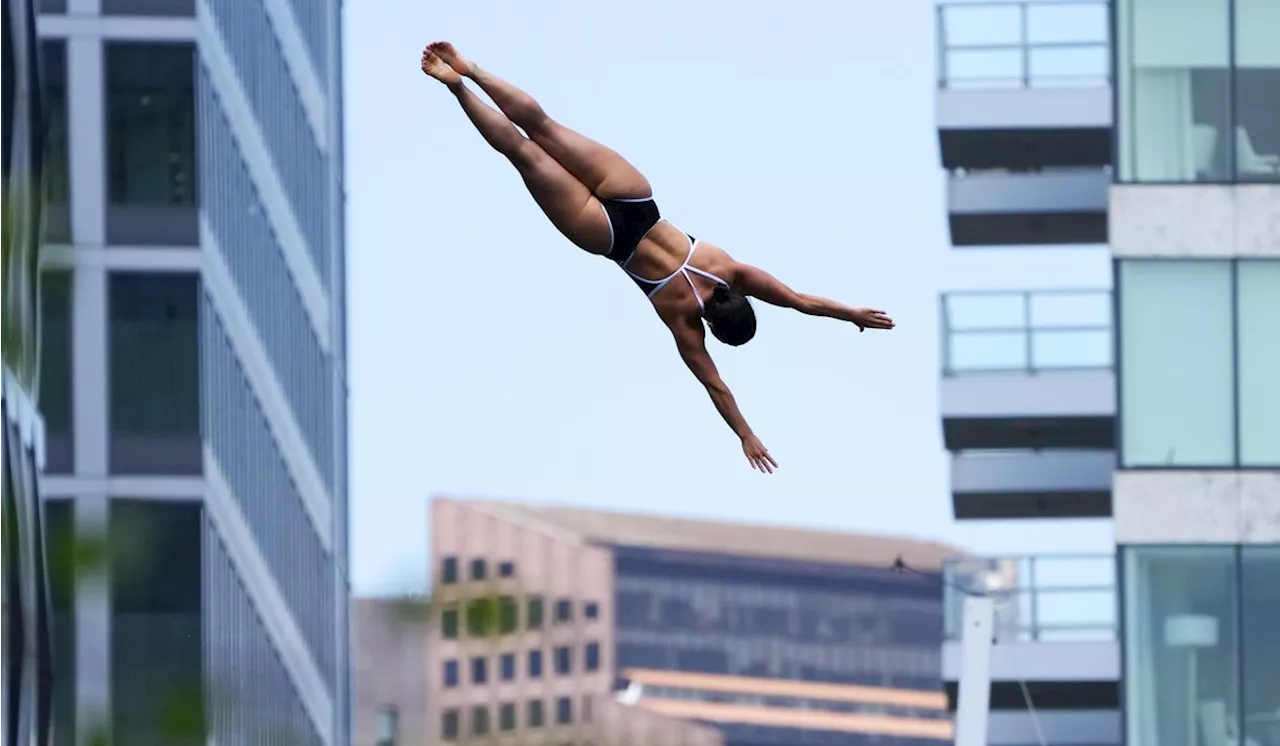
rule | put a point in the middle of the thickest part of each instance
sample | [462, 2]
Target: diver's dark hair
[730, 316]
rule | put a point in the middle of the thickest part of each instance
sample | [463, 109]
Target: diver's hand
[758, 455]
[870, 318]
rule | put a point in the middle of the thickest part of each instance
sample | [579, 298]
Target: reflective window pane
[150, 101]
[534, 715]
[60, 551]
[154, 403]
[1258, 316]
[1181, 647]
[1257, 79]
[151, 144]
[1260, 609]
[156, 629]
[775, 623]
[149, 7]
[55, 371]
[57, 169]
[449, 725]
[1174, 68]
[1177, 368]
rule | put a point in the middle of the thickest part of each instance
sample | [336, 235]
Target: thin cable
[900, 566]
[1031, 705]
[1031, 710]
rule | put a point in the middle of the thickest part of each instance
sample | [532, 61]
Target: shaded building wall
[389, 658]
[28, 645]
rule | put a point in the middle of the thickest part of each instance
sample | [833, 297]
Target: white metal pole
[974, 700]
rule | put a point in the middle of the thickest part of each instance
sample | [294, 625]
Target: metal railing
[1042, 598]
[1027, 44]
[1025, 330]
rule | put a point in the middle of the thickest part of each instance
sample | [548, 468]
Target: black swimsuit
[630, 220]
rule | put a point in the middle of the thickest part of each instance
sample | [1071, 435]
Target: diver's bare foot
[451, 58]
[437, 68]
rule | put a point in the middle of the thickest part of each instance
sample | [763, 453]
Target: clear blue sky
[490, 357]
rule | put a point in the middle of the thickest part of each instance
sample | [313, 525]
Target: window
[564, 661]
[1197, 393]
[60, 550]
[388, 726]
[1181, 648]
[507, 613]
[593, 656]
[591, 610]
[449, 570]
[450, 674]
[480, 617]
[507, 717]
[535, 664]
[149, 7]
[564, 711]
[564, 610]
[480, 720]
[478, 568]
[479, 670]
[151, 144]
[1177, 367]
[507, 570]
[1174, 83]
[1260, 636]
[534, 617]
[154, 374]
[155, 571]
[507, 664]
[534, 717]
[57, 171]
[449, 623]
[642, 655]
[1180, 69]
[449, 725]
[150, 123]
[1257, 78]
[1258, 318]
[55, 371]
[586, 709]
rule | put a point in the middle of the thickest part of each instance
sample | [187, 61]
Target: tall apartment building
[26, 672]
[1028, 402]
[195, 346]
[567, 625]
[1152, 126]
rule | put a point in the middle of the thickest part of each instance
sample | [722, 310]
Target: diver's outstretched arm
[756, 282]
[691, 341]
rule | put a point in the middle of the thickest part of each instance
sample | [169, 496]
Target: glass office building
[194, 363]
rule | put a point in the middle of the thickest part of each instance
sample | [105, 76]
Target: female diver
[605, 206]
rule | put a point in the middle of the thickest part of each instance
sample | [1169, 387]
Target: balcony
[1028, 402]
[1027, 369]
[1069, 483]
[1024, 85]
[1056, 632]
[1044, 207]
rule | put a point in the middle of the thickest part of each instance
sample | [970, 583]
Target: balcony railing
[1034, 43]
[1044, 598]
[1025, 330]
